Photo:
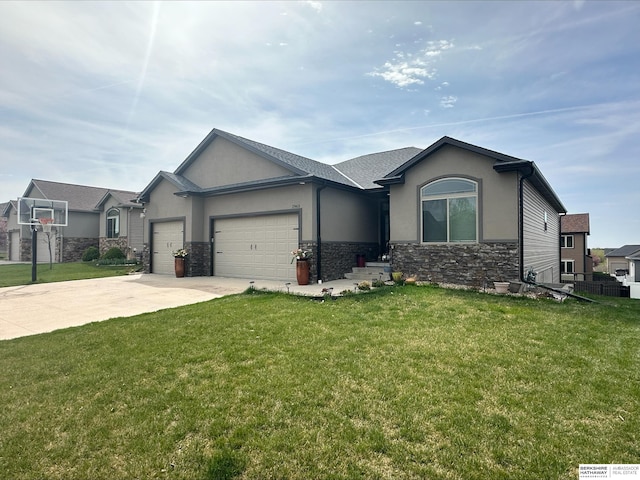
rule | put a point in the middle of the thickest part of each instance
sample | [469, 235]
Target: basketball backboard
[32, 210]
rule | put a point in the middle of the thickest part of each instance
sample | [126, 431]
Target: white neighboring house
[633, 279]
[624, 264]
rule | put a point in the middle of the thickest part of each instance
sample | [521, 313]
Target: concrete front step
[367, 276]
[372, 271]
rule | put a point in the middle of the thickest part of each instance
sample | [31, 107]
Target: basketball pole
[34, 253]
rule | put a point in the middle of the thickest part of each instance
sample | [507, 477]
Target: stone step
[371, 271]
[369, 276]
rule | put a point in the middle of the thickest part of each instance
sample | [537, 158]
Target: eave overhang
[526, 167]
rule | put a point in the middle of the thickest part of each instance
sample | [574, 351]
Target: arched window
[450, 211]
[113, 223]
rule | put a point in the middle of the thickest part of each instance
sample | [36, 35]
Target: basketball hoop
[46, 224]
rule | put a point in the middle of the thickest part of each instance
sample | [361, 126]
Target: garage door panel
[43, 248]
[256, 247]
[14, 254]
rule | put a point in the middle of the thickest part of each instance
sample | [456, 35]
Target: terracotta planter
[302, 272]
[179, 266]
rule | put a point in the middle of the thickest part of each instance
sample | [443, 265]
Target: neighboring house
[4, 240]
[633, 279]
[121, 222]
[97, 217]
[618, 259]
[453, 212]
[576, 261]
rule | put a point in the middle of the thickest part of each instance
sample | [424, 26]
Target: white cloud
[448, 102]
[408, 69]
[317, 6]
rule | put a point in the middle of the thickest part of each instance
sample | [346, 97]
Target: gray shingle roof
[300, 164]
[625, 251]
[81, 198]
[366, 169]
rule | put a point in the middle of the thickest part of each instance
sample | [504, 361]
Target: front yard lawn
[20, 273]
[405, 382]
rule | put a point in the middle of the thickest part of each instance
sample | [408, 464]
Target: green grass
[20, 274]
[405, 382]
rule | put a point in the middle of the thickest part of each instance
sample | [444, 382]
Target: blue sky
[108, 94]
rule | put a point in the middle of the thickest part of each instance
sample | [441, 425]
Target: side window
[567, 266]
[450, 211]
[113, 223]
[566, 241]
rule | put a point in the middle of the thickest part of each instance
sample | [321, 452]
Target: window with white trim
[568, 266]
[113, 223]
[449, 211]
[566, 241]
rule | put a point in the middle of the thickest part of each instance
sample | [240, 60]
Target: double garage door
[255, 247]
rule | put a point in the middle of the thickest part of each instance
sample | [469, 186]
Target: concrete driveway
[32, 309]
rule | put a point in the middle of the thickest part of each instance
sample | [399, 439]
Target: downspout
[521, 219]
[318, 234]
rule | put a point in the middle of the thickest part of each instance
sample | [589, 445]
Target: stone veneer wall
[339, 258]
[145, 258]
[476, 265]
[74, 247]
[199, 259]
[25, 249]
[120, 242]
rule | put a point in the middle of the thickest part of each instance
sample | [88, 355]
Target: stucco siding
[82, 224]
[225, 163]
[541, 245]
[348, 217]
[283, 199]
[497, 195]
[163, 204]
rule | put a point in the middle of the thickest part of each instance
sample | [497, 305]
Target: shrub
[116, 261]
[113, 253]
[91, 253]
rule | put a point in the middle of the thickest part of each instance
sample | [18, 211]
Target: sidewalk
[32, 309]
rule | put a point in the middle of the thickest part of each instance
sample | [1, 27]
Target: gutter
[521, 218]
[318, 234]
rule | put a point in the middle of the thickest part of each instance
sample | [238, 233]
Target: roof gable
[441, 143]
[123, 198]
[296, 164]
[575, 223]
[503, 163]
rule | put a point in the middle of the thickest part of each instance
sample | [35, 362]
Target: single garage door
[167, 238]
[256, 247]
[14, 254]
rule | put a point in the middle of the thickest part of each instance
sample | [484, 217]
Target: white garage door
[14, 254]
[43, 247]
[167, 238]
[256, 247]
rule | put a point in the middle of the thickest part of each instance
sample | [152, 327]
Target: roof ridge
[347, 177]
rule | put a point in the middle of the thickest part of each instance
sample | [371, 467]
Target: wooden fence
[608, 289]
